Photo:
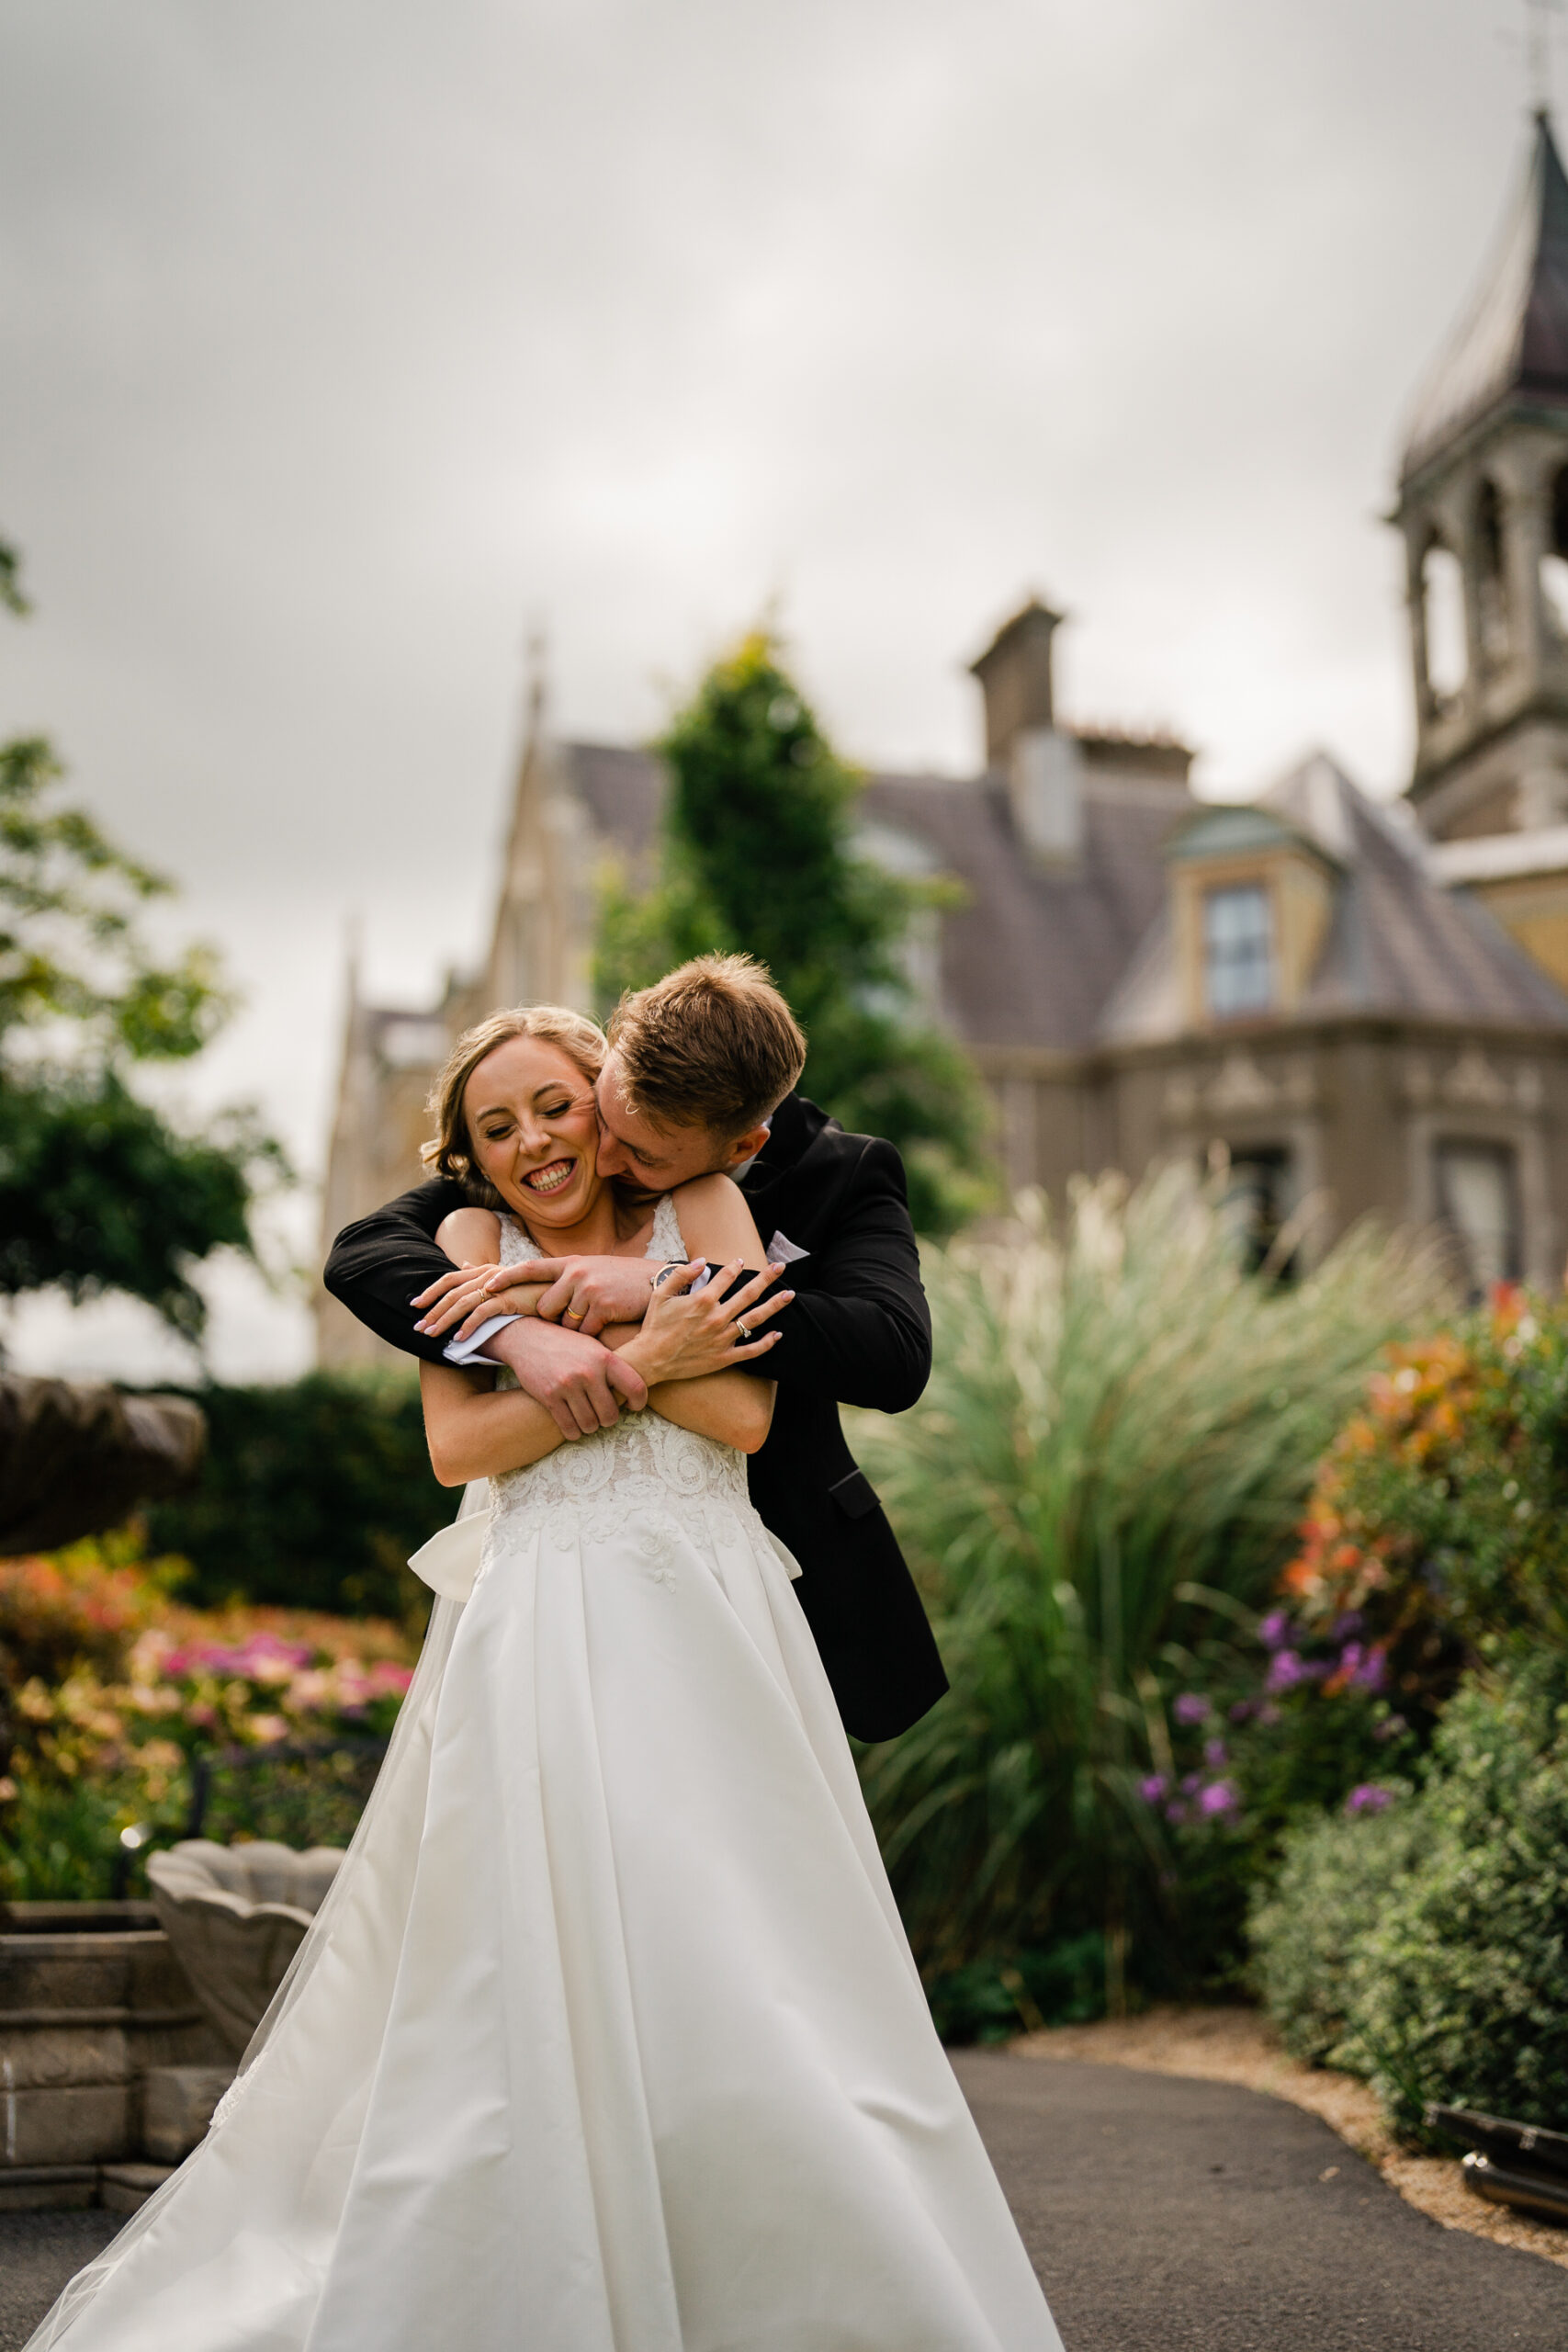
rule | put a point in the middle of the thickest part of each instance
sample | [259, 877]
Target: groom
[694, 1064]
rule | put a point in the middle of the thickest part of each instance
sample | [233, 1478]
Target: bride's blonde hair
[450, 1151]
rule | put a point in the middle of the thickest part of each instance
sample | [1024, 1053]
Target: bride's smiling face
[534, 1131]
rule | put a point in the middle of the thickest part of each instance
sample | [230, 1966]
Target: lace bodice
[638, 1470]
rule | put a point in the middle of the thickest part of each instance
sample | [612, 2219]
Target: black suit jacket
[857, 1333]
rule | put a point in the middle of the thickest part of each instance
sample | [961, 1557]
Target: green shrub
[313, 1496]
[59, 1839]
[1333, 1885]
[1461, 1988]
[1449, 1980]
[994, 2000]
[1098, 1491]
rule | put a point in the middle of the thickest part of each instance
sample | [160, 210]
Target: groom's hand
[579, 1384]
[585, 1293]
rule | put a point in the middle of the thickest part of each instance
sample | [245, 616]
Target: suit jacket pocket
[855, 1495]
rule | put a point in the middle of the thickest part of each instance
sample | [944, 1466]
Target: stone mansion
[1363, 1006]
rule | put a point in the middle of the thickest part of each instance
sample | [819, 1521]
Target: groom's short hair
[711, 1044]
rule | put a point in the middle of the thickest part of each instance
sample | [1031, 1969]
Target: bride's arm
[734, 1407]
[473, 1429]
[471, 1238]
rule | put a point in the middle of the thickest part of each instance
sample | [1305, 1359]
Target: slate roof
[1032, 957]
[623, 789]
[1512, 344]
[1399, 945]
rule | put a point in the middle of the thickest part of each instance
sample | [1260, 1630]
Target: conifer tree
[759, 854]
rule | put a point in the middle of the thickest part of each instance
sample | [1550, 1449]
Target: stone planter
[92, 2000]
[235, 1917]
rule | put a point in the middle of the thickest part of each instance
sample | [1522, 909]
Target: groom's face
[659, 1158]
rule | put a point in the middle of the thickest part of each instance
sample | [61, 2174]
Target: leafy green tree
[97, 1190]
[759, 854]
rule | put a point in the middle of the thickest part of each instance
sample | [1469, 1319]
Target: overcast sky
[341, 346]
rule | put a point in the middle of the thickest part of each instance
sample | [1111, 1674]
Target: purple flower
[1241, 1711]
[1369, 1798]
[1218, 1798]
[1372, 1672]
[1351, 1659]
[1153, 1788]
[1191, 1784]
[1175, 1812]
[1192, 1707]
[1274, 1631]
[1216, 1756]
[1347, 1627]
[1285, 1670]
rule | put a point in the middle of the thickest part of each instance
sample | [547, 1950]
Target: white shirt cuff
[465, 1350]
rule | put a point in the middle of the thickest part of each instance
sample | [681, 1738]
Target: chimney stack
[1043, 766]
[1015, 678]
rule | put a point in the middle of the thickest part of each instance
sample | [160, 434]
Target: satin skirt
[611, 2041]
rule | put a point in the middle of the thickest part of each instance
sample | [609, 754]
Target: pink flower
[1369, 1798]
[1152, 1788]
[1219, 1798]
[1192, 1707]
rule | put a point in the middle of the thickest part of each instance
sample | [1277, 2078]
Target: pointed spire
[538, 683]
[1512, 345]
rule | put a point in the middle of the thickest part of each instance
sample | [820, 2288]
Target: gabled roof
[1240, 829]
[1512, 344]
[1398, 944]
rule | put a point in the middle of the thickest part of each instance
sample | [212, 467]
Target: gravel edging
[1239, 2045]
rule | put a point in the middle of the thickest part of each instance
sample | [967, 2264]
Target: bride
[608, 2038]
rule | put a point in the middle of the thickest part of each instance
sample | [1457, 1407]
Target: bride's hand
[466, 1295]
[685, 1337]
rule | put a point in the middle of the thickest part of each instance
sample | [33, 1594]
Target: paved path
[38, 2253]
[1162, 2216]
[1171, 2216]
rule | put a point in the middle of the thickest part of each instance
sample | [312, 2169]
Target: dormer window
[1238, 950]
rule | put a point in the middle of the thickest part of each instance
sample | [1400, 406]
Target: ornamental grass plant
[1097, 1492]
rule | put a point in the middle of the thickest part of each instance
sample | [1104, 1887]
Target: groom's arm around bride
[694, 1066]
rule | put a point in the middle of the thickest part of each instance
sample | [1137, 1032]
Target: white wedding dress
[608, 2038]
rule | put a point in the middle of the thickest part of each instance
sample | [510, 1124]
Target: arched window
[1554, 562]
[1491, 581]
[1442, 594]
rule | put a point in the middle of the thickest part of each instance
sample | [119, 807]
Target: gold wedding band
[575, 1314]
[741, 1333]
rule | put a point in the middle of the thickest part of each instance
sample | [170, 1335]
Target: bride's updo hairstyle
[450, 1152]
